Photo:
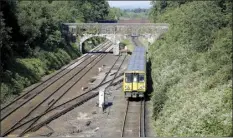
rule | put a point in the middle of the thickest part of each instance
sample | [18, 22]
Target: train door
[135, 82]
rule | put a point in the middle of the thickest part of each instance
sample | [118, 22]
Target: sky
[130, 4]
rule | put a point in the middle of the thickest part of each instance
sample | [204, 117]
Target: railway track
[134, 120]
[54, 103]
[54, 75]
[136, 42]
[5, 111]
[11, 125]
[59, 107]
[70, 104]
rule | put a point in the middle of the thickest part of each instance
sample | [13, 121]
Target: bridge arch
[86, 37]
[111, 37]
[114, 31]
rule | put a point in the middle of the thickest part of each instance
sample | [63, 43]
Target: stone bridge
[115, 32]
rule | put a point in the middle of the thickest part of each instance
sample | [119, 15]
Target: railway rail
[18, 122]
[107, 81]
[5, 111]
[60, 107]
[70, 104]
[136, 42]
[49, 108]
[134, 119]
[51, 77]
[81, 96]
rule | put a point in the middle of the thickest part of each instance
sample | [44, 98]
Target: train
[134, 79]
[107, 21]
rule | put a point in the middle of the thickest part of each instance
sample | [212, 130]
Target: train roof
[139, 49]
[137, 60]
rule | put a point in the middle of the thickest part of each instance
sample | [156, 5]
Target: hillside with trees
[31, 42]
[192, 69]
[114, 13]
[137, 13]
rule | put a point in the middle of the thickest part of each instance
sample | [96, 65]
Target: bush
[191, 72]
[32, 68]
[127, 43]
[23, 73]
[5, 91]
[95, 42]
[55, 60]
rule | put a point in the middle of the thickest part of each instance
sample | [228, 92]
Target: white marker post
[101, 98]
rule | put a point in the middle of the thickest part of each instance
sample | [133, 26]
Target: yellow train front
[134, 83]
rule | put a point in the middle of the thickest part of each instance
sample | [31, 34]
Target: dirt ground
[88, 120]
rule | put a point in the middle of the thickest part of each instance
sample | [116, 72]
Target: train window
[128, 78]
[141, 77]
[135, 78]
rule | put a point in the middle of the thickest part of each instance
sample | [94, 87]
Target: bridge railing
[117, 28]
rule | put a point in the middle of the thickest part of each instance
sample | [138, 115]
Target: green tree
[31, 42]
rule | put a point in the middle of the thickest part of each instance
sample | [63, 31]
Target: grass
[144, 42]
[128, 44]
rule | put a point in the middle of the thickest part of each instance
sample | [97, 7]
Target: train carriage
[107, 21]
[134, 83]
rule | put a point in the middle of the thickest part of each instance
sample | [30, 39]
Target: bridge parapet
[114, 31]
[118, 28]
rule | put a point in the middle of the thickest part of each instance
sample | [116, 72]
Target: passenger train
[134, 80]
[107, 21]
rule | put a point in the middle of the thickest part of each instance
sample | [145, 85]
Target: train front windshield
[141, 77]
[128, 77]
[134, 77]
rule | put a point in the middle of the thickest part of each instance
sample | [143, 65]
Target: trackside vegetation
[192, 69]
[31, 41]
[92, 42]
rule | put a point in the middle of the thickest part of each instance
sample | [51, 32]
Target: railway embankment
[192, 70]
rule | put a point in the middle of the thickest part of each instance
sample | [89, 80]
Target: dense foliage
[31, 42]
[137, 13]
[126, 14]
[191, 69]
[91, 43]
[114, 14]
